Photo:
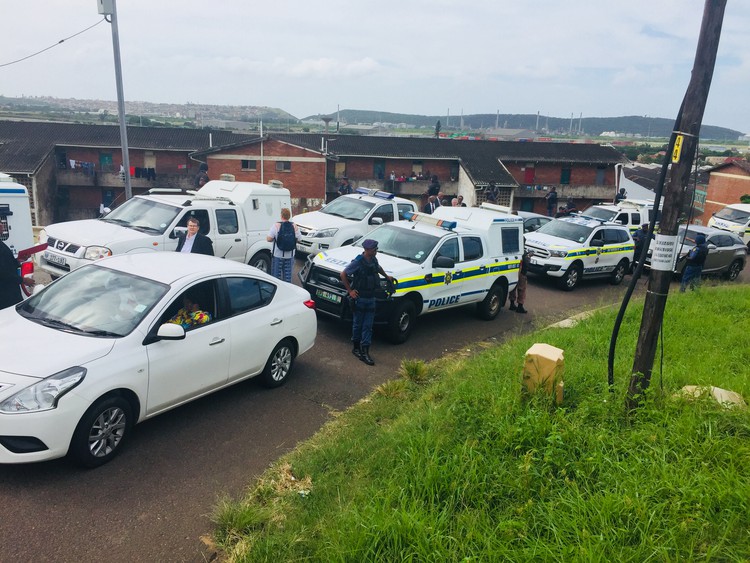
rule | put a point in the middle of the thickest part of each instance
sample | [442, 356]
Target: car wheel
[490, 306]
[279, 364]
[619, 272]
[402, 321]
[571, 278]
[734, 270]
[101, 431]
[262, 261]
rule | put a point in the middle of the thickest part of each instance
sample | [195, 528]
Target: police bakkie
[571, 248]
[454, 257]
[348, 218]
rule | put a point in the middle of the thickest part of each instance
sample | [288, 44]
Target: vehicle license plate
[55, 259]
[328, 296]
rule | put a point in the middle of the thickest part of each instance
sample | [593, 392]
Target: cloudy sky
[600, 58]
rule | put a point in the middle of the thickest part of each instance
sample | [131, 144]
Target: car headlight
[558, 253]
[96, 252]
[325, 233]
[45, 394]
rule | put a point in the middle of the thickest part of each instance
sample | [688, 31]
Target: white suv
[579, 246]
[348, 218]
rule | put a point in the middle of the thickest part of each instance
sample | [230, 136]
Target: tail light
[27, 269]
[310, 304]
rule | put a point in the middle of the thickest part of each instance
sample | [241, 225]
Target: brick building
[311, 165]
[727, 183]
[72, 169]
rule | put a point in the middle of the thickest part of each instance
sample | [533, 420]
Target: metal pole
[121, 101]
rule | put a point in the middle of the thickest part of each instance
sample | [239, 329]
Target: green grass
[448, 462]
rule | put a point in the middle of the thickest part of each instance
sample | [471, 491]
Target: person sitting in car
[190, 315]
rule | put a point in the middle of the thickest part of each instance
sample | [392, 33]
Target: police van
[17, 232]
[456, 256]
[348, 218]
[571, 248]
[734, 218]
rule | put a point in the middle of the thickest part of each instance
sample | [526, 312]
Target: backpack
[286, 239]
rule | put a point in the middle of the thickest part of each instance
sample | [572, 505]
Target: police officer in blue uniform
[363, 270]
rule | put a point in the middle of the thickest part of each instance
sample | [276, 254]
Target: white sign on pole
[664, 253]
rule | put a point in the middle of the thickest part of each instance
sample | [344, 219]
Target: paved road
[153, 502]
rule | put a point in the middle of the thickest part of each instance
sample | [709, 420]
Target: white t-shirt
[277, 252]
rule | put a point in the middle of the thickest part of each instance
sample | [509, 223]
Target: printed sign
[664, 253]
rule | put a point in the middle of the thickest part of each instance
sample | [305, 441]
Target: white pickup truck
[456, 256]
[236, 216]
[348, 218]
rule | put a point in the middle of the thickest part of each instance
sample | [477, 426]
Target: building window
[565, 175]
[600, 172]
[249, 165]
[283, 166]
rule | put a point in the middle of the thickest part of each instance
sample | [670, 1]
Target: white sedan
[108, 350]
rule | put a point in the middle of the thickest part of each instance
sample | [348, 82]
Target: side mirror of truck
[376, 220]
[443, 262]
[177, 232]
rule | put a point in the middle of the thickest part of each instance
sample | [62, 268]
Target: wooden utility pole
[684, 143]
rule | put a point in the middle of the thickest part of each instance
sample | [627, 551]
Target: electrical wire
[51, 46]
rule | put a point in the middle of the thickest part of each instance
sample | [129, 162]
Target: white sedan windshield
[94, 301]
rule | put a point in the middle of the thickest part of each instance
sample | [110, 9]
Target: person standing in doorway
[193, 241]
[551, 198]
[202, 176]
[10, 280]
[283, 235]
[364, 272]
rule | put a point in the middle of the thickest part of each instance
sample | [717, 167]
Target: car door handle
[216, 341]
[238, 240]
[276, 322]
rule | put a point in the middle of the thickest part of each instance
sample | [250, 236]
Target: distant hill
[196, 112]
[594, 126]
[198, 115]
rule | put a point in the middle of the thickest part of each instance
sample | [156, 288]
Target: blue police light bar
[375, 193]
[430, 220]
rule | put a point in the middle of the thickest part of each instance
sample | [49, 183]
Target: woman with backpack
[284, 235]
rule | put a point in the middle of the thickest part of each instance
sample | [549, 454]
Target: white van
[734, 218]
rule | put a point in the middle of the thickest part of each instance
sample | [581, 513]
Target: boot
[356, 350]
[365, 356]
[520, 309]
[512, 306]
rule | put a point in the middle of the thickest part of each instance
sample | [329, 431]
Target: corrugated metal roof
[24, 145]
